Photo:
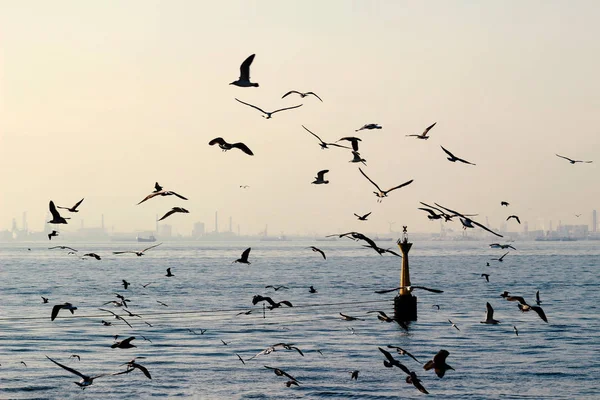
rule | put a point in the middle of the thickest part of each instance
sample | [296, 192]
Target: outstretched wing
[321, 174]
[464, 161]
[71, 370]
[151, 195]
[540, 312]
[428, 289]
[399, 186]
[475, 223]
[287, 108]
[490, 311]
[178, 195]
[320, 140]
[246, 253]
[243, 148]
[250, 105]
[447, 152]
[387, 290]
[428, 129]
[53, 210]
[218, 140]
[566, 158]
[169, 213]
[151, 247]
[369, 179]
[290, 92]
[245, 68]
[314, 94]
[77, 204]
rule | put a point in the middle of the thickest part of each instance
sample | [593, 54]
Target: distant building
[165, 231]
[198, 230]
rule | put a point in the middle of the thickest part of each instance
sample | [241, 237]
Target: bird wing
[399, 186]
[369, 179]
[285, 302]
[537, 297]
[566, 158]
[314, 94]
[168, 214]
[151, 195]
[142, 368]
[540, 312]
[428, 129]
[71, 370]
[77, 204]
[428, 289]
[464, 161]
[366, 215]
[55, 311]
[440, 357]
[503, 255]
[151, 247]
[476, 223]
[428, 210]
[490, 312]
[290, 92]
[417, 383]
[432, 207]
[520, 299]
[104, 309]
[321, 174]
[320, 140]
[322, 253]
[447, 152]
[250, 105]
[243, 148]
[287, 108]
[54, 211]
[386, 291]
[245, 68]
[123, 252]
[387, 354]
[246, 253]
[178, 195]
[128, 340]
[218, 140]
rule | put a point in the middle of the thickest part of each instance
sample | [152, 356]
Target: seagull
[354, 374]
[56, 218]
[323, 144]
[62, 247]
[454, 325]
[169, 274]
[258, 298]
[125, 285]
[468, 221]
[132, 314]
[131, 365]
[94, 255]
[124, 344]
[319, 179]
[382, 316]
[280, 372]
[302, 95]
[244, 258]
[162, 304]
[173, 211]
[383, 193]
[75, 356]
[317, 250]
[432, 215]
[504, 294]
[44, 299]
[573, 161]
[425, 132]
[312, 290]
[161, 193]
[244, 186]
[501, 258]
[116, 303]
[269, 114]
[453, 158]
[363, 217]
[516, 330]
[501, 246]
[106, 323]
[72, 209]
[274, 347]
[51, 234]
[349, 318]
[489, 315]
[85, 380]
[515, 217]
[357, 158]
[353, 140]
[416, 382]
[436, 306]
[390, 361]
[117, 317]
[228, 146]
[403, 352]
[520, 299]
[369, 127]
[137, 253]
[409, 288]
[276, 288]
[58, 307]
[438, 363]
[504, 203]
[486, 276]
[244, 80]
[537, 298]
[537, 309]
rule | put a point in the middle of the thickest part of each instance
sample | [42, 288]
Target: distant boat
[151, 238]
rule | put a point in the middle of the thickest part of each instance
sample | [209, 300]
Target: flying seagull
[486, 276]
[125, 286]
[403, 352]
[280, 372]
[357, 158]
[438, 363]
[258, 298]
[169, 274]
[504, 203]
[162, 193]
[72, 209]
[382, 316]
[369, 127]
[425, 132]
[276, 288]
[410, 289]
[362, 217]
[349, 318]
[302, 95]
[354, 374]
[454, 325]
[353, 140]
[467, 221]
[56, 218]
[62, 247]
[573, 161]
[453, 158]
[319, 179]
[269, 114]
[52, 234]
[312, 290]
[383, 193]
[412, 376]
[323, 144]
[489, 315]
[244, 80]
[132, 365]
[117, 317]
[173, 211]
[228, 146]
[85, 380]
[501, 246]
[515, 217]
[58, 307]
[537, 309]
[244, 258]
[44, 299]
[501, 258]
[317, 250]
[124, 344]
[137, 253]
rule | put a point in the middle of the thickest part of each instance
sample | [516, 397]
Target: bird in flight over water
[173, 211]
[573, 161]
[74, 208]
[162, 193]
[85, 380]
[383, 193]
[269, 114]
[56, 218]
[244, 258]
[244, 80]
[453, 158]
[137, 253]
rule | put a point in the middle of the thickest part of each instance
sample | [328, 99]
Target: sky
[99, 100]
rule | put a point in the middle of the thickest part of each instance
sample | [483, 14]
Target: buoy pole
[405, 304]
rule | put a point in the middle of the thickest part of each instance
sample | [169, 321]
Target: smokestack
[216, 222]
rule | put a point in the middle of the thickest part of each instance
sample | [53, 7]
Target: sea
[190, 343]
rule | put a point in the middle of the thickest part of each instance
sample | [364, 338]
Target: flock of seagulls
[438, 212]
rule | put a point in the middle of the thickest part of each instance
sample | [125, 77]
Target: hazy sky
[101, 99]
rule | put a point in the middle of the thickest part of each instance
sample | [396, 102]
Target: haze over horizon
[101, 100]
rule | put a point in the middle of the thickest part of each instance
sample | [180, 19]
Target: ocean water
[555, 360]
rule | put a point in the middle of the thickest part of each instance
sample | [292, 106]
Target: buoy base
[405, 308]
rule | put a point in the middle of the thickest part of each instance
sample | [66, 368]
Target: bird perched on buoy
[228, 146]
[244, 79]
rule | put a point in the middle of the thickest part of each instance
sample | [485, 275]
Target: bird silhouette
[72, 209]
[173, 211]
[319, 179]
[425, 132]
[52, 234]
[453, 158]
[244, 79]
[324, 145]
[268, 114]
[368, 127]
[137, 253]
[489, 315]
[228, 146]
[573, 161]
[362, 217]
[383, 193]
[438, 363]
[302, 95]
[515, 217]
[244, 257]
[317, 250]
[56, 218]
